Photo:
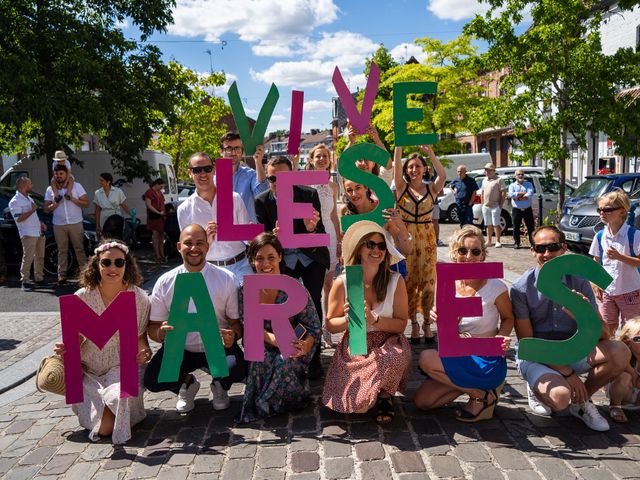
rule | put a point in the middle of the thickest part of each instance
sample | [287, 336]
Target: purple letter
[450, 308]
[360, 120]
[295, 124]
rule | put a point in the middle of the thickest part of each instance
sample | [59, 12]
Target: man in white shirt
[30, 228]
[223, 291]
[201, 208]
[67, 219]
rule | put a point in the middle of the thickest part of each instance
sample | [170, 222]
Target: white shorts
[435, 213]
[491, 216]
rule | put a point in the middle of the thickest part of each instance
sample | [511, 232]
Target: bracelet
[567, 376]
[377, 318]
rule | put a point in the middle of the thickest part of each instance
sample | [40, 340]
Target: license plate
[571, 236]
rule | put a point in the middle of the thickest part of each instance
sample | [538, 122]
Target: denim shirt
[246, 184]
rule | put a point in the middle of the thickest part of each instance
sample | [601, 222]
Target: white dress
[101, 376]
[327, 205]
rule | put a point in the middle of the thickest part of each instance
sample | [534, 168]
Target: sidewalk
[40, 437]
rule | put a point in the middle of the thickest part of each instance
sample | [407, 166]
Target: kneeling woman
[479, 377]
[278, 385]
[355, 384]
[110, 271]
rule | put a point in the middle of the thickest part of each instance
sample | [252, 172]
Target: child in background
[616, 247]
[60, 158]
[623, 391]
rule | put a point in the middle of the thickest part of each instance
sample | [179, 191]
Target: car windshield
[592, 188]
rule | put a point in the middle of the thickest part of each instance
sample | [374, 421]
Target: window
[165, 179]
[638, 38]
[627, 186]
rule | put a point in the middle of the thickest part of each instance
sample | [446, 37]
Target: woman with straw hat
[357, 383]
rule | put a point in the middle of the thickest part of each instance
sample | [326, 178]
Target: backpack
[630, 234]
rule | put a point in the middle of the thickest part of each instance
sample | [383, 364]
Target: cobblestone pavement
[41, 438]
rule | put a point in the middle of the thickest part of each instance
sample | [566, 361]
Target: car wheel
[51, 258]
[505, 221]
[452, 214]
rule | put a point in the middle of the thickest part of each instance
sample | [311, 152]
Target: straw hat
[362, 228]
[60, 156]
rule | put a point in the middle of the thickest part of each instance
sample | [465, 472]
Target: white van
[472, 161]
[87, 173]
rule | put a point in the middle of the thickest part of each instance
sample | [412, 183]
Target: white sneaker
[186, 396]
[220, 399]
[498, 245]
[536, 405]
[589, 414]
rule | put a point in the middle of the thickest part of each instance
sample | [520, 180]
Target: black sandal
[418, 339]
[384, 411]
[487, 411]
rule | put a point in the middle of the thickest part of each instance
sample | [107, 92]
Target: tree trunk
[562, 164]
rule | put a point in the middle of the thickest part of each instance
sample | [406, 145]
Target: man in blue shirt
[521, 193]
[465, 189]
[556, 387]
[247, 182]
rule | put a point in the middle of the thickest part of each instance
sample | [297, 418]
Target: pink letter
[295, 124]
[78, 318]
[360, 120]
[227, 230]
[450, 308]
[255, 313]
[288, 210]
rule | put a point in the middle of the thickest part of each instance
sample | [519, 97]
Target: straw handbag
[50, 375]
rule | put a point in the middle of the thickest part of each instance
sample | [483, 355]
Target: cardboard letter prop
[450, 308]
[347, 168]
[288, 210]
[403, 114]
[565, 352]
[250, 139]
[295, 123]
[357, 322]
[192, 286]
[78, 318]
[360, 121]
[227, 230]
[255, 314]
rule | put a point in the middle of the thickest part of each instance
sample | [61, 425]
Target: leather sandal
[617, 414]
[487, 411]
[384, 412]
[418, 339]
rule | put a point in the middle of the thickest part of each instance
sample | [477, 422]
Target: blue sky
[297, 43]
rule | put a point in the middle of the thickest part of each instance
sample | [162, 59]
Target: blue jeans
[465, 213]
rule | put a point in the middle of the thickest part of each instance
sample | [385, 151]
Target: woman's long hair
[382, 276]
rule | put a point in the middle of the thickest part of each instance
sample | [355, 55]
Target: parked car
[448, 210]
[13, 246]
[542, 185]
[580, 219]
[184, 191]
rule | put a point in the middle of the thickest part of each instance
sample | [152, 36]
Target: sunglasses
[476, 252]
[370, 244]
[636, 339]
[205, 169]
[271, 178]
[118, 262]
[549, 247]
[607, 209]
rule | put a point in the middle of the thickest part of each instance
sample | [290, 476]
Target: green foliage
[450, 111]
[68, 70]
[558, 83]
[195, 124]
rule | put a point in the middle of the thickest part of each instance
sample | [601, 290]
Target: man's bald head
[193, 230]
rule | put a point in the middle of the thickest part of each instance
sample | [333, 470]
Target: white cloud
[403, 52]
[270, 24]
[456, 9]
[345, 49]
[317, 106]
[296, 74]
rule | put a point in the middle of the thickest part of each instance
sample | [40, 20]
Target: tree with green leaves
[69, 70]
[559, 83]
[195, 124]
[459, 92]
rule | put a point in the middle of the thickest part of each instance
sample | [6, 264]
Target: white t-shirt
[197, 210]
[68, 213]
[20, 204]
[223, 291]
[490, 320]
[625, 277]
[109, 204]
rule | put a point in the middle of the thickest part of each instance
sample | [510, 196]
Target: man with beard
[67, 219]
[222, 287]
[30, 228]
[201, 208]
[247, 182]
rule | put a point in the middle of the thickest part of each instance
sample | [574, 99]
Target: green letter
[251, 139]
[403, 114]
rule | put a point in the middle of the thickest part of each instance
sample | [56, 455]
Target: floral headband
[109, 245]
